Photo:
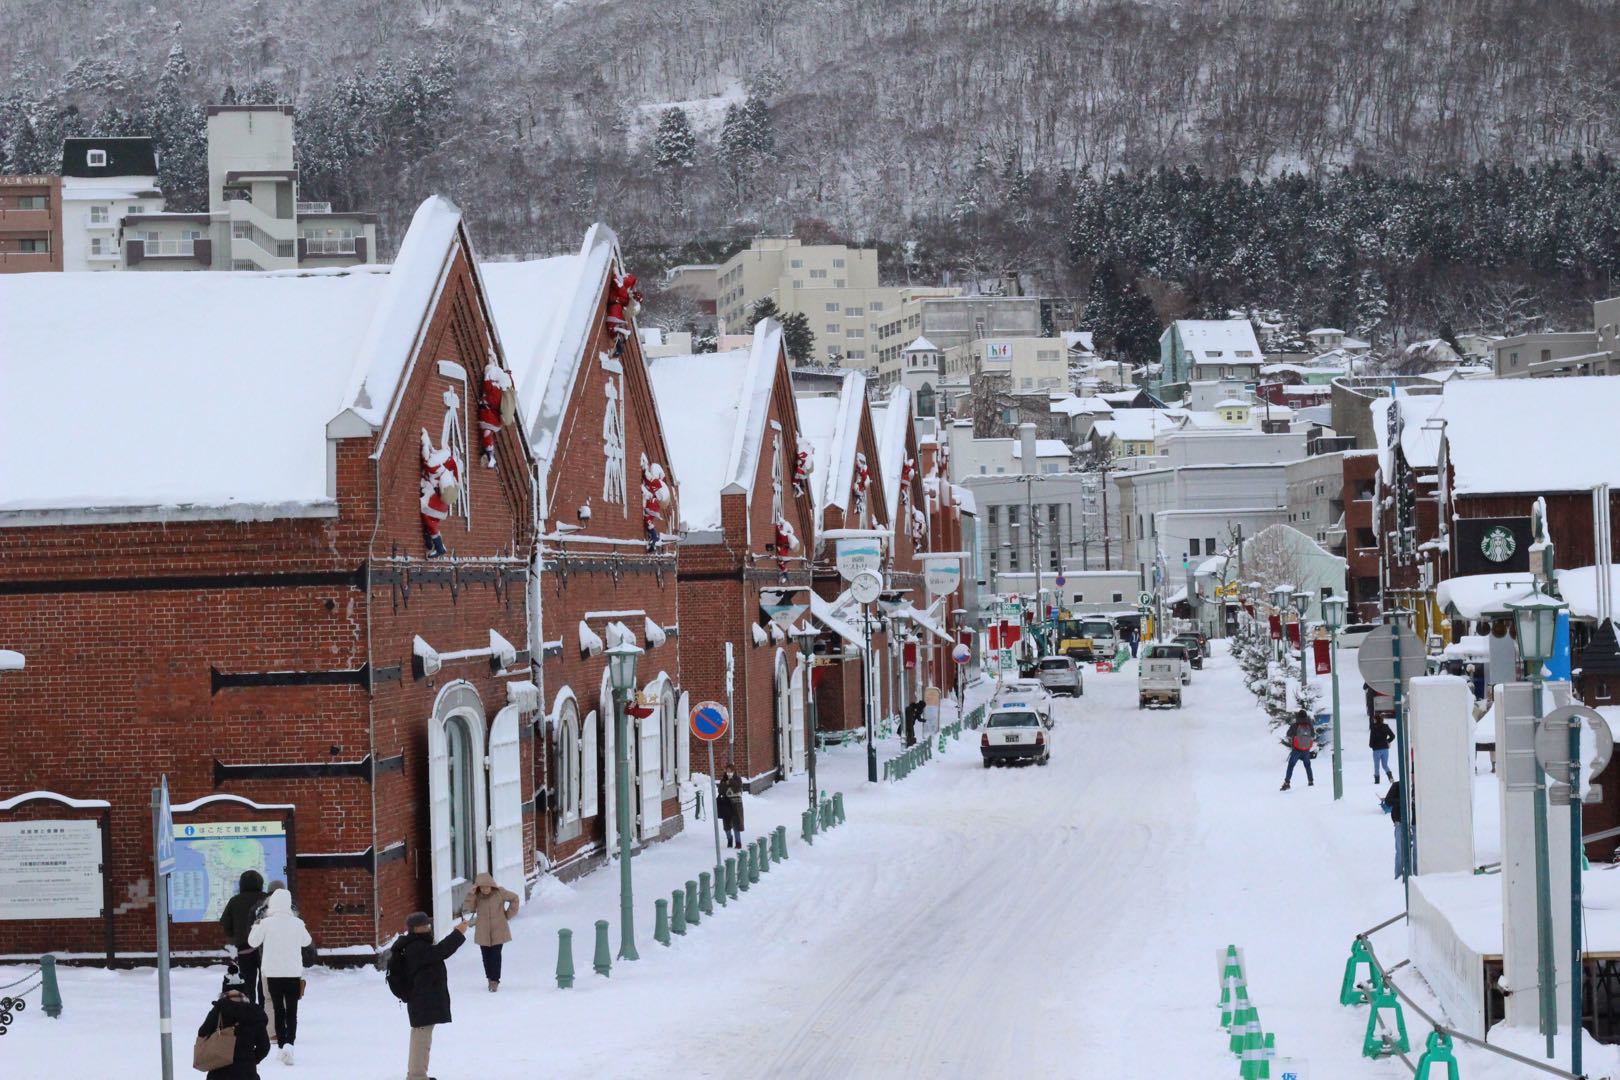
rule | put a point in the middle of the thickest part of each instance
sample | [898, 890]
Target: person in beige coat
[491, 907]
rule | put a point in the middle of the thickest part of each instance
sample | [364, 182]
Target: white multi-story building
[254, 220]
[1031, 364]
[104, 181]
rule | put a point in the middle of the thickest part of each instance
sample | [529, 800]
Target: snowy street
[1056, 921]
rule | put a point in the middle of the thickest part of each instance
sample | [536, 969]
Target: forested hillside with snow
[963, 136]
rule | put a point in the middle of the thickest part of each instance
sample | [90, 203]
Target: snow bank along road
[1059, 921]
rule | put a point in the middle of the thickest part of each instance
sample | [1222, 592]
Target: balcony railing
[314, 208]
[329, 245]
[178, 248]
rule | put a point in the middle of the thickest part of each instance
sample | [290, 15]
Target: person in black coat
[236, 920]
[914, 715]
[731, 806]
[429, 1003]
[252, 1034]
[1395, 806]
[1378, 741]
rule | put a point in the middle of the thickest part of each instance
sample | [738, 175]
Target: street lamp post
[1279, 604]
[1333, 609]
[1536, 622]
[807, 651]
[622, 676]
[1302, 604]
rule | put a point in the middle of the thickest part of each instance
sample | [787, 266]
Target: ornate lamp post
[1302, 604]
[1535, 619]
[1279, 605]
[806, 639]
[622, 677]
[1333, 611]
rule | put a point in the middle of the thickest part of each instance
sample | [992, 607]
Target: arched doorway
[458, 817]
[783, 711]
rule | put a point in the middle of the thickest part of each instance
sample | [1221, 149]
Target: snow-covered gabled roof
[254, 366]
[1531, 435]
[1324, 331]
[1081, 339]
[1044, 448]
[546, 313]
[714, 408]
[922, 344]
[1139, 425]
[1225, 338]
[1080, 406]
[1233, 403]
[890, 422]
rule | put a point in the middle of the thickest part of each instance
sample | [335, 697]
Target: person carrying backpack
[1301, 744]
[236, 920]
[234, 1010]
[417, 976]
[1379, 742]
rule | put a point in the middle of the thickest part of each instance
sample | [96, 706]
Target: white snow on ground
[1060, 921]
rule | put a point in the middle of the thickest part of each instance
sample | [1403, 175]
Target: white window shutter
[586, 789]
[683, 738]
[781, 711]
[506, 800]
[796, 708]
[652, 780]
[609, 767]
[444, 899]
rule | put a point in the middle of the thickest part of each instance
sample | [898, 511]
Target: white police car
[1016, 730]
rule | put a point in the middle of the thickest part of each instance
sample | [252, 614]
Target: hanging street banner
[858, 555]
[941, 576]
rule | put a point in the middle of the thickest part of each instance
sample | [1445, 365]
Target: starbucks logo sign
[1497, 544]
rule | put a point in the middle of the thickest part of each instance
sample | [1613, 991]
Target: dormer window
[96, 159]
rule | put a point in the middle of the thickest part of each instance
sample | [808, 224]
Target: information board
[51, 870]
[210, 858]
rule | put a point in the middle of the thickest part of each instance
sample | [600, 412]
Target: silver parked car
[1061, 675]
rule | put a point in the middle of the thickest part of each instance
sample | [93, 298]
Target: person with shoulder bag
[282, 937]
[234, 1038]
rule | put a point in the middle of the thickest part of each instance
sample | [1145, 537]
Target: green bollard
[807, 826]
[1385, 1006]
[603, 963]
[752, 863]
[838, 807]
[677, 913]
[781, 843]
[1437, 1052]
[743, 881]
[731, 877]
[1351, 990]
[766, 843]
[720, 884]
[705, 900]
[661, 921]
[50, 997]
[565, 959]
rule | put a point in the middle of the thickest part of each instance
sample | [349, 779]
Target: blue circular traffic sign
[709, 720]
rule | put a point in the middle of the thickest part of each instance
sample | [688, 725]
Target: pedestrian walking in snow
[914, 715]
[417, 976]
[233, 1010]
[282, 936]
[1394, 806]
[731, 806]
[1301, 744]
[1131, 640]
[490, 907]
[1379, 741]
[237, 920]
[262, 990]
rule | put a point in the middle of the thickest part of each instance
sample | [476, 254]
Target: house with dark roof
[105, 180]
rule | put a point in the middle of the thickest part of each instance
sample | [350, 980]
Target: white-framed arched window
[458, 819]
[566, 765]
[782, 709]
[670, 718]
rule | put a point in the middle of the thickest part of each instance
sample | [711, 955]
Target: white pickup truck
[1160, 674]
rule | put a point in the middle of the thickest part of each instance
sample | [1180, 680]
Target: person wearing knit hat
[418, 977]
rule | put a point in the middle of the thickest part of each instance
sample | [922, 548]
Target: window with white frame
[832, 306]
[817, 274]
[99, 215]
[96, 159]
[838, 264]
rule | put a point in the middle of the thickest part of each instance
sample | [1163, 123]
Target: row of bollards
[828, 812]
[1386, 1020]
[910, 760]
[688, 907]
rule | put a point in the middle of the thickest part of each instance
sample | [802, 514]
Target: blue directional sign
[709, 720]
[165, 837]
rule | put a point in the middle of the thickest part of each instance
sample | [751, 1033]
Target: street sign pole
[714, 805]
[709, 722]
[1338, 758]
[163, 865]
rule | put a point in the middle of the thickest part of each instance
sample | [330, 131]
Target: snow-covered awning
[823, 613]
[1479, 596]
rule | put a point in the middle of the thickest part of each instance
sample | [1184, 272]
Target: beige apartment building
[255, 220]
[856, 322]
[1031, 364]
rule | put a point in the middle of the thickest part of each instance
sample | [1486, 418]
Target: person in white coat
[280, 938]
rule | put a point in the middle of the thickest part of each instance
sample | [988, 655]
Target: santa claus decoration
[655, 501]
[919, 528]
[804, 463]
[624, 304]
[441, 486]
[863, 481]
[497, 406]
[787, 541]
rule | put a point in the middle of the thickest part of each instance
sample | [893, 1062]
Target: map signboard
[51, 870]
[211, 856]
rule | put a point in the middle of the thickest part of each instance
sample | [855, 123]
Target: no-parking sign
[709, 720]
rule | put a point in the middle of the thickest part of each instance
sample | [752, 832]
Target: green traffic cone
[1437, 1052]
[1229, 996]
[1392, 1040]
[565, 959]
[1241, 1011]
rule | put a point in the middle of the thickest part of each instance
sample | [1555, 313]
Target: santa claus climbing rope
[441, 486]
[497, 406]
[655, 501]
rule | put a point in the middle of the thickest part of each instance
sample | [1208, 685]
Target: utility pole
[1107, 562]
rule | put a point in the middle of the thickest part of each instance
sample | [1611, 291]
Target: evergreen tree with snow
[675, 150]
